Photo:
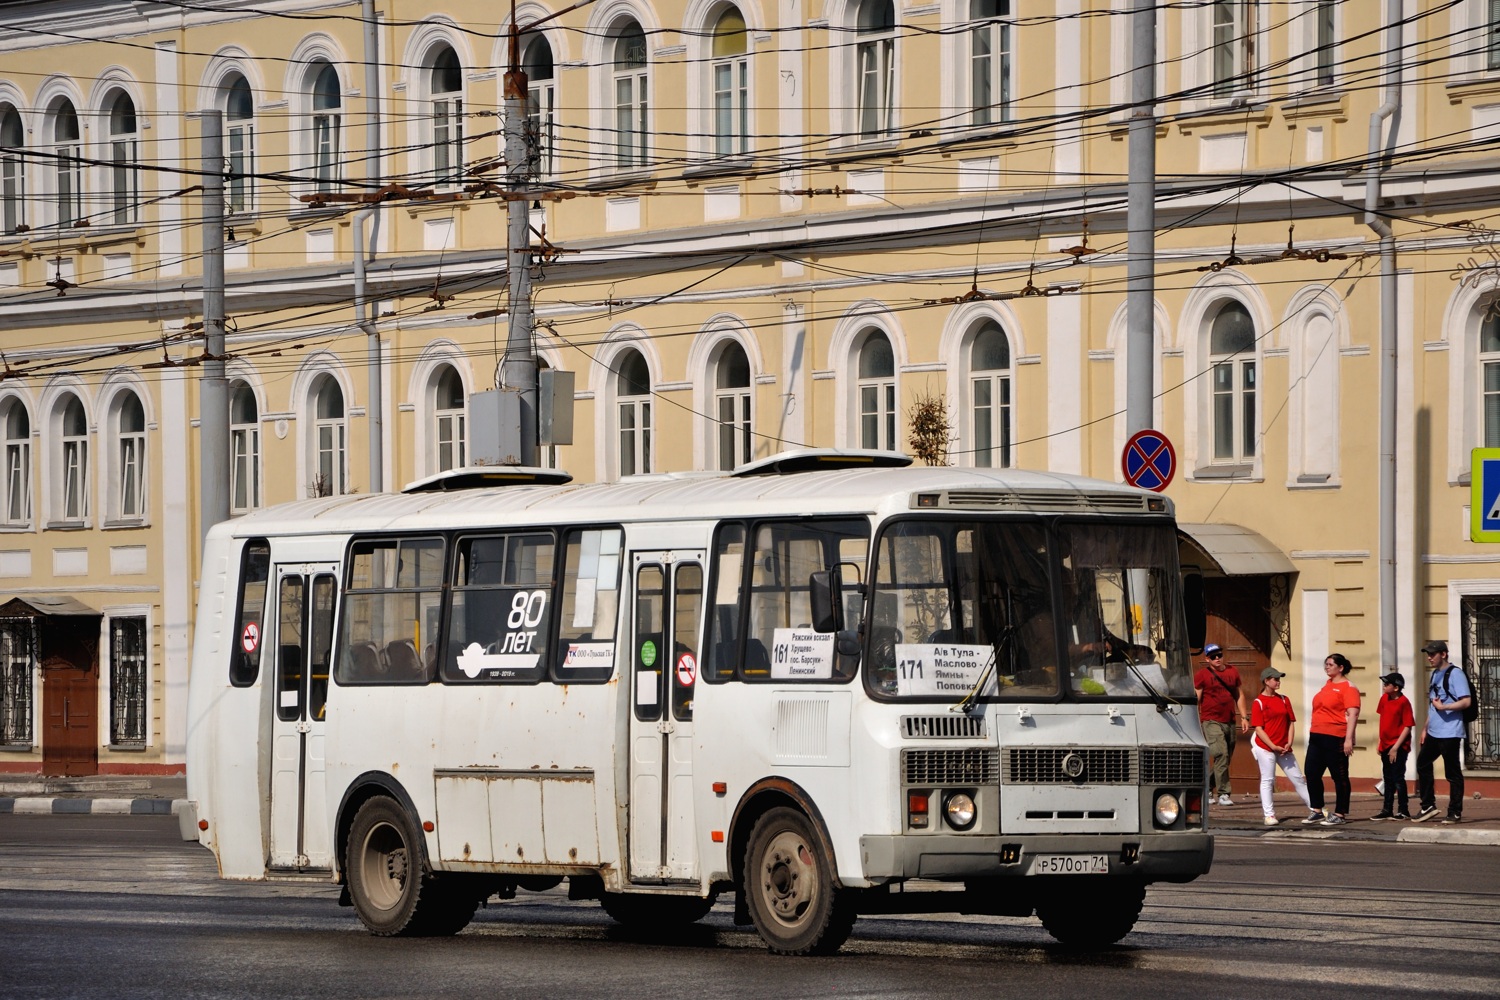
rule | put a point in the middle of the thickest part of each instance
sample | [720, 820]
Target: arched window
[244, 449]
[328, 473]
[327, 101]
[130, 452]
[450, 416]
[633, 406]
[732, 406]
[989, 395]
[630, 95]
[124, 160]
[875, 68]
[446, 87]
[729, 72]
[12, 171]
[1489, 376]
[877, 393]
[16, 424]
[1232, 369]
[67, 152]
[239, 121]
[73, 469]
[541, 100]
[989, 61]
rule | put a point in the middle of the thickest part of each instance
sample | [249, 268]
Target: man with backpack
[1448, 695]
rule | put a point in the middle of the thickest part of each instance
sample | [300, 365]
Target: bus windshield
[966, 609]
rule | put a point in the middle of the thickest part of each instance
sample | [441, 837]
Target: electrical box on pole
[555, 406]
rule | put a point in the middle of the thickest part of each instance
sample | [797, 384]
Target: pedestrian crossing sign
[1484, 495]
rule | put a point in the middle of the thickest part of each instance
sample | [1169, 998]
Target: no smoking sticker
[250, 638]
[687, 670]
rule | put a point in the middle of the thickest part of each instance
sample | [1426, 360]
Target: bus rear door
[664, 656]
[303, 627]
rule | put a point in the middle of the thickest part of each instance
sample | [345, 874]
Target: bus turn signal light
[203, 824]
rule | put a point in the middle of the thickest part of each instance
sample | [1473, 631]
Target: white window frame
[108, 689]
[449, 423]
[1233, 387]
[445, 123]
[1487, 384]
[634, 428]
[1229, 53]
[1489, 24]
[733, 411]
[728, 85]
[239, 146]
[67, 172]
[21, 667]
[990, 57]
[541, 103]
[325, 128]
[629, 90]
[327, 440]
[875, 397]
[12, 170]
[123, 160]
[71, 482]
[15, 500]
[873, 81]
[130, 475]
[244, 452]
[997, 386]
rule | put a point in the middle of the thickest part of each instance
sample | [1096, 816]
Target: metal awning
[1233, 550]
[43, 604]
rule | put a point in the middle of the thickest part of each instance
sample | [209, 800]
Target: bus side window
[250, 616]
[324, 589]
[392, 604]
[726, 578]
[590, 605]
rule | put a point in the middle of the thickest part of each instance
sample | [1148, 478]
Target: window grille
[127, 682]
[17, 658]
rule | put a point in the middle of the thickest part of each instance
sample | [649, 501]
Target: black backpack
[1472, 712]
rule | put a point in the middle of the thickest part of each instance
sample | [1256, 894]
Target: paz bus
[827, 683]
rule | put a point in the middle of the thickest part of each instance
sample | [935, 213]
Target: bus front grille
[1069, 766]
[970, 766]
[1173, 765]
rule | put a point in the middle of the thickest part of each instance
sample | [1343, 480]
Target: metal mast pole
[518, 371]
[1140, 273]
[213, 388]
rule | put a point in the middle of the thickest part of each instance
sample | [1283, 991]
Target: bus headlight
[958, 809]
[1167, 809]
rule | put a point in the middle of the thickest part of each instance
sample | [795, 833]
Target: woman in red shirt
[1335, 710]
[1272, 718]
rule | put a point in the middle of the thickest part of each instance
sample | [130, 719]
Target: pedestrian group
[1271, 721]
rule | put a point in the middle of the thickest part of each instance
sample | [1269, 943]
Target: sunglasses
[1216, 656]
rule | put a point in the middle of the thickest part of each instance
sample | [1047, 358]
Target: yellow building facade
[755, 227]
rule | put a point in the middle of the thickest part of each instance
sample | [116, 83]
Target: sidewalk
[1480, 825]
[99, 795]
[150, 795]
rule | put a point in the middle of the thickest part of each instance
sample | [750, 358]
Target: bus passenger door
[667, 625]
[300, 656]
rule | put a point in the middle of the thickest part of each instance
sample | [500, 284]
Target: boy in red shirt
[1396, 722]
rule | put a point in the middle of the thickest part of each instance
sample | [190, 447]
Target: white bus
[826, 683]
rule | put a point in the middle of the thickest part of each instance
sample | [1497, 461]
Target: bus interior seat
[366, 660]
[402, 656]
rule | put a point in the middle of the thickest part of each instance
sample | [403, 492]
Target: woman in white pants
[1272, 719]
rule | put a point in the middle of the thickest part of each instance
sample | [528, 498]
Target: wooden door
[1239, 619]
[70, 695]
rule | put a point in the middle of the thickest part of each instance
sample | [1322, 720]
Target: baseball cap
[1270, 672]
[1212, 648]
[1394, 679]
[1435, 646]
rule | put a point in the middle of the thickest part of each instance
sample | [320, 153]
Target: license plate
[1070, 864]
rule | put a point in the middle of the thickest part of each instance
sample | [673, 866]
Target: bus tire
[392, 893]
[1092, 915]
[649, 911]
[789, 889]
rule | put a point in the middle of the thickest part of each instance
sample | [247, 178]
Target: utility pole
[518, 371]
[213, 388]
[1140, 271]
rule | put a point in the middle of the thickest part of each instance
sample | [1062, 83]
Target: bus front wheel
[391, 892]
[789, 887]
[1091, 915]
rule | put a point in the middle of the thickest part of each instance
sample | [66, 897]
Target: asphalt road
[121, 908]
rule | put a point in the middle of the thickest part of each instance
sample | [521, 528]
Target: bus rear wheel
[647, 911]
[392, 893]
[1091, 915]
[789, 888]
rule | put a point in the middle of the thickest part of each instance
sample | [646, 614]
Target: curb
[41, 806]
[1425, 835]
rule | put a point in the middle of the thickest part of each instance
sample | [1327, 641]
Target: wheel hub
[788, 884]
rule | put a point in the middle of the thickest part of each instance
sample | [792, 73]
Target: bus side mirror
[826, 592]
[1192, 606]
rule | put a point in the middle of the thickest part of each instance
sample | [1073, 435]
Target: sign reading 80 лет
[1484, 495]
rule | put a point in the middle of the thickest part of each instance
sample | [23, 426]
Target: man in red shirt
[1222, 712]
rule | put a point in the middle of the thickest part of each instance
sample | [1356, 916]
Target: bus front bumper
[1154, 857]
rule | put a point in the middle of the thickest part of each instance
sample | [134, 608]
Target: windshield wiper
[1161, 700]
[967, 701]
